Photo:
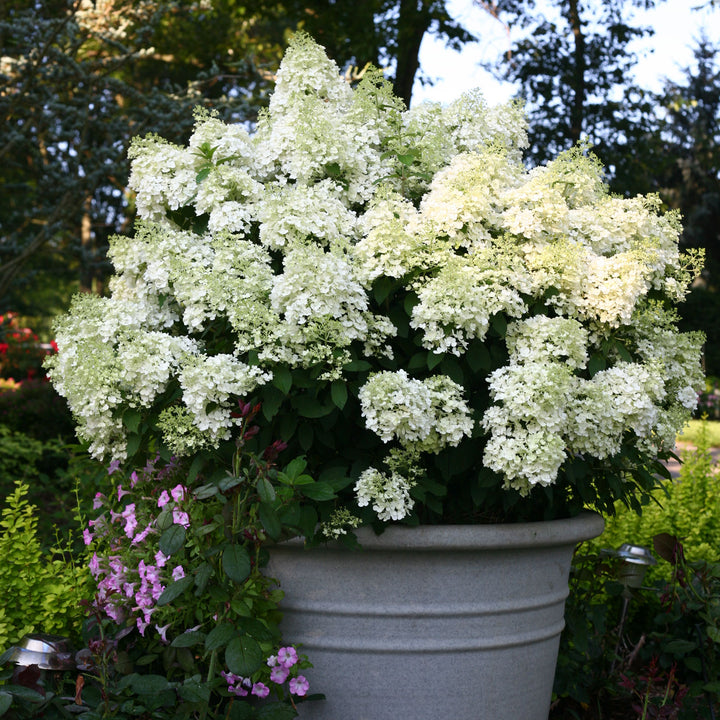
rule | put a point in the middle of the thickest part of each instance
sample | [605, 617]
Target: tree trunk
[413, 23]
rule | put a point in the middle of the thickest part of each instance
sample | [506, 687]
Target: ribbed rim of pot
[476, 537]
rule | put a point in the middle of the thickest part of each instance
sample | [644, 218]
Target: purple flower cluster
[281, 665]
[130, 577]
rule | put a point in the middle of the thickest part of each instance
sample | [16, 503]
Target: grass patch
[692, 430]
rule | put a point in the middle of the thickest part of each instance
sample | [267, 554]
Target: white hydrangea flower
[541, 337]
[299, 213]
[427, 414]
[212, 381]
[162, 176]
[456, 305]
[389, 495]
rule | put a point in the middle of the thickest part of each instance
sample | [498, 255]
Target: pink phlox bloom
[181, 518]
[231, 678]
[164, 499]
[299, 686]
[114, 612]
[114, 466]
[130, 520]
[261, 690]
[178, 573]
[122, 493]
[279, 674]
[142, 570]
[143, 598]
[117, 566]
[152, 574]
[87, 536]
[160, 558]
[98, 501]
[178, 493]
[133, 479]
[157, 591]
[272, 661]
[142, 626]
[129, 589]
[238, 690]
[94, 565]
[140, 537]
[114, 517]
[287, 656]
[162, 631]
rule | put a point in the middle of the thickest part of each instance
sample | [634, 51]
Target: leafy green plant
[688, 507]
[40, 591]
[652, 652]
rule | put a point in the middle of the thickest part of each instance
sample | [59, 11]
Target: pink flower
[287, 656]
[160, 558]
[87, 536]
[142, 626]
[98, 501]
[271, 661]
[299, 686]
[260, 689]
[140, 537]
[94, 565]
[122, 493]
[162, 630]
[181, 518]
[178, 573]
[113, 467]
[164, 499]
[130, 520]
[178, 493]
[133, 479]
[279, 674]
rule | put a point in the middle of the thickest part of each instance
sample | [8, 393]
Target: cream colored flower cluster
[280, 238]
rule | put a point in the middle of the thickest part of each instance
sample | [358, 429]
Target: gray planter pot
[432, 623]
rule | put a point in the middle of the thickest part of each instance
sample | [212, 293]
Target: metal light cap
[48, 652]
[636, 554]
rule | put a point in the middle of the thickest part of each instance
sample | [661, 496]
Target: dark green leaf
[254, 628]
[202, 174]
[318, 491]
[243, 656]
[175, 590]
[434, 359]
[270, 521]
[133, 444]
[265, 490]
[5, 702]
[188, 639]
[220, 636]
[276, 711]
[195, 468]
[680, 647]
[499, 324]
[131, 419]
[148, 684]
[172, 539]
[271, 402]
[310, 407]
[596, 364]
[194, 692]
[478, 357]
[282, 379]
[305, 436]
[236, 563]
[339, 393]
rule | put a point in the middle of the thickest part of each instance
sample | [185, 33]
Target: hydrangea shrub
[442, 333]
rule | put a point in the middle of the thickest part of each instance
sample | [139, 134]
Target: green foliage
[647, 653]
[688, 508]
[34, 408]
[213, 608]
[39, 591]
